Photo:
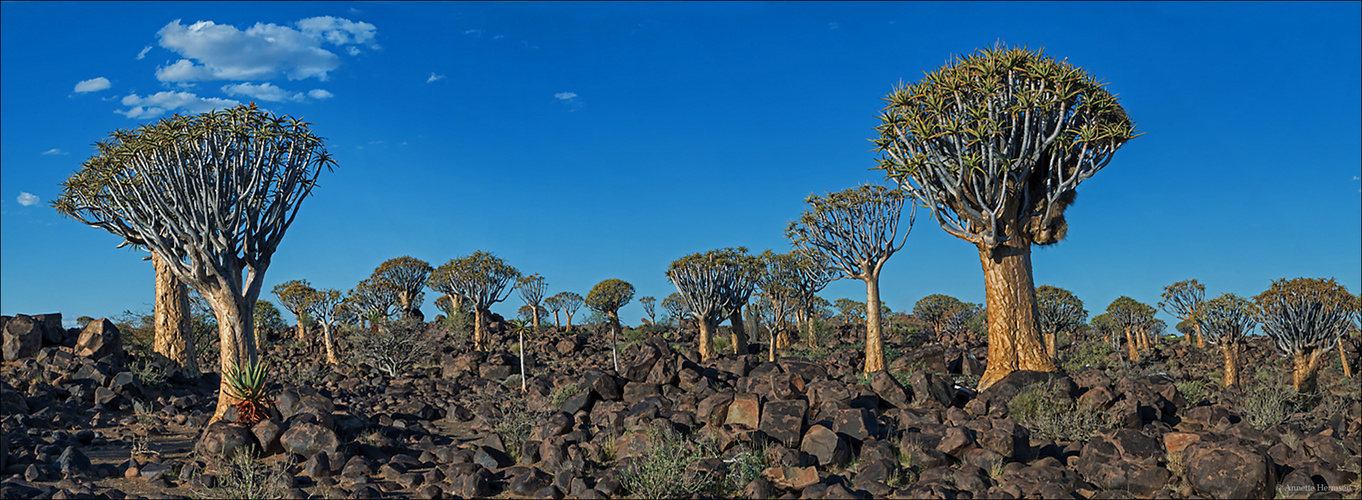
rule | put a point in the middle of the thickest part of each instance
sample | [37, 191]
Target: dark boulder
[99, 339]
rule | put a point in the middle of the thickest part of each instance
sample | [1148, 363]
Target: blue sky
[591, 141]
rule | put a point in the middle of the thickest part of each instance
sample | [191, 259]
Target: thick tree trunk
[556, 324]
[874, 342]
[302, 330]
[1305, 372]
[330, 343]
[1014, 341]
[480, 342]
[1231, 354]
[1343, 358]
[738, 332]
[1145, 342]
[174, 331]
[706, 345]
[536, 316]
[1050, 347]
[1131, 346]
[1200, 341]
[569, 320]
[236, 339]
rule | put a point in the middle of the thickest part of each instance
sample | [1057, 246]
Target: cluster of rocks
[823, 430]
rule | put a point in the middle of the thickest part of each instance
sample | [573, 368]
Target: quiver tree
[1106, 329]
[373, 301]
[212, 195]
[780, 295]
[296, 296]
[1305, 318]
[554, 304]
[451, 305]
[1225, 321]
[649, 307]
[1058, 310]
[483, 279]
[849, 311]
[857, 231]
[326, 306]
[995, 143]
[815, 271]
[607, 297]
[1132, 317]
[174, 330]
[707, 281]
[531, 290]
[405, 277]
[937, 309]
[571, 302]
[1182, 300]
[675, 306]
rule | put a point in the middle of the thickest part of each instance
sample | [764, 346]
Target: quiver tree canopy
[936, 309]
[711, 285]
[297, 297]
[1182, 299]
[406, 277]
[1059, 311]
[995, 143]
[326, 306]
[483, 279]
[1133, 318]
[211, 194]
[1305, 317]
[372, 300]
[532, 289]
[856, 230]
[1225, 321]
[571, 302]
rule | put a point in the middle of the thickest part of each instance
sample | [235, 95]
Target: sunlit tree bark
[1305, 318]
[1225, 322]
[173, 330]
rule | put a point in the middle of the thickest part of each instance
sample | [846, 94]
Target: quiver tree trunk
[1200, 341]
[480, 341]
[704, 338]
[237, 341]
[1305, 370]
[174, 336]
[737, 332]
[330, 343]
[1014, 341]
[1131, 346]
[1231, 353]
[874, 341]
[1051, 349]
[1343, 358]
[614, 344]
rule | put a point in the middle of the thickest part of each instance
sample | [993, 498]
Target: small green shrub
[564, 393]
[514, 426]
[1047, 413]
[1086, 354]
[1193, 391]
[1265, 406]
[722, 342]
[245, 477]
[666, 468]
[150, 372]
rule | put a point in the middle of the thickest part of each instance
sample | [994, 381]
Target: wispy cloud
[143, 54]
[54, 152]
[265, 92]
[92, 85]
[570, 100]
[213, 51]
[435, 78]
[319, 94]
[473, 33]
[159, 103]
[27, 199]
[565, 96]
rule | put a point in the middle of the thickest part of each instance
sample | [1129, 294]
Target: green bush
[1193, 391]
[245, 476]
[666, 468]
[1264, 406]
[564, 393]
[1048, 413]
[1086, 354]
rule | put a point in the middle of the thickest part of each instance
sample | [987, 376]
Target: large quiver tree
[483, 279]
[707, 282]
[995, 144]
[405, 276]
[213, 195]
[1225, 321]
[857, 231]
[1305, 317]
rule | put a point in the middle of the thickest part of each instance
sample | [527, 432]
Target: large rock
[23, 337]
[889, 389]
[222, 439]
[792, 478]
[308, 439]
[99, 339]
[1002, 391]
[855, 423]
[1124, 460]
[784, 420]
[53, 332]
[931, 389]
[1228, 470]
[745, 409]
[825, 444]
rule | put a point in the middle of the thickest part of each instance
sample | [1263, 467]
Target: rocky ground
[79, 421]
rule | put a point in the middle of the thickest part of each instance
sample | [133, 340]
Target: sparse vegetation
[1265, 406]
[666, 469]
[1047, 413]
[393, 348]
[244, 476]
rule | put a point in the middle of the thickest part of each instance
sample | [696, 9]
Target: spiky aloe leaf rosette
[248, 388]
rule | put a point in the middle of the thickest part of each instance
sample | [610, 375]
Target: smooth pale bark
[330, 344]
[1144, 339]
[555, 320]
[706, 346]
[614, 345]
[874, 341]
[1231, 354]
[569, 319]
[1343, 358]
[1305, 372]
[1131, 347]
[737, 332]
[1014, 341]
[237, 341]
[174, 331]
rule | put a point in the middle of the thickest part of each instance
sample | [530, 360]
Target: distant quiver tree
[707, 282]
[212, 194]
[857, 231]
[607, 297]
[1226, 321]
[1305, 317]
[405, 277]
[995, 143]
[1059, 310]
[296, 296]
[1182, 300]
[483, 279]
[531, 290]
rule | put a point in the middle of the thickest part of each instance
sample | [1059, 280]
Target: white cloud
[320, 94]
[564, 96]
[92, 85]
[54, 152]
[570, 100]
[475, 33]
[264, 92]
[143, 54]
[27, 199]
[157, 104]
[833, 26]
[435, 78]
[211, 51]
